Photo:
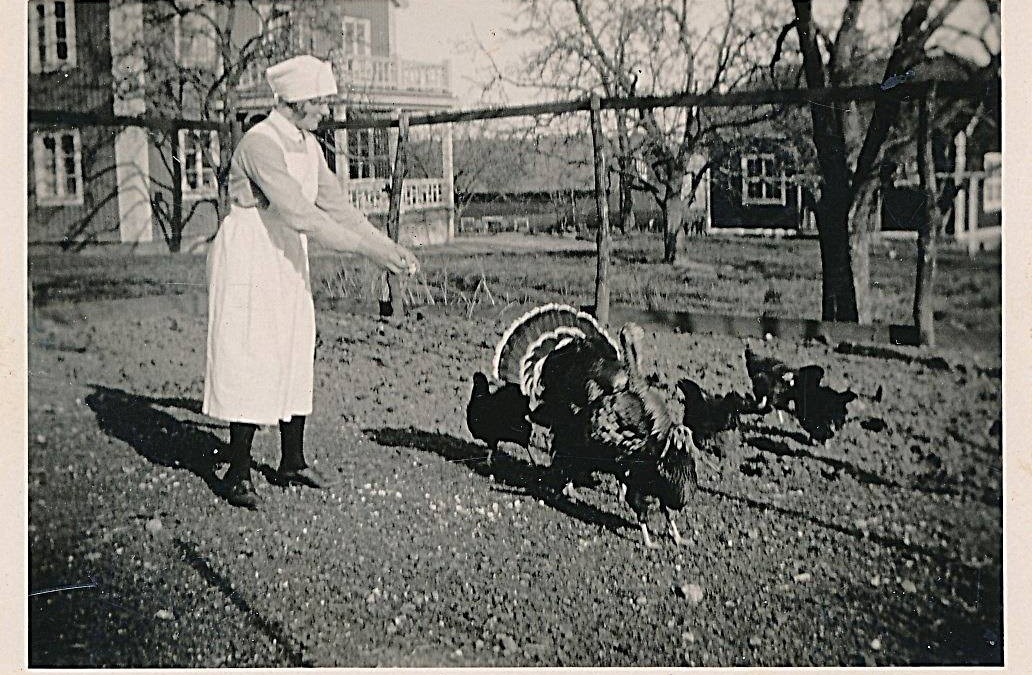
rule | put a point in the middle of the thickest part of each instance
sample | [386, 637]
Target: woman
[261, 319]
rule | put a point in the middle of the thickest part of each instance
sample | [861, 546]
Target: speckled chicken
[604, 415]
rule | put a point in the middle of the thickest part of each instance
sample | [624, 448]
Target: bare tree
[649, 47]
[848, 139]
[198, 60]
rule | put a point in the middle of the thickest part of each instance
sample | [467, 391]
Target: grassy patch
[743, 276]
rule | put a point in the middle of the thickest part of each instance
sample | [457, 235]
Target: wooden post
[448, 169]
[928, 226]
[602, 205]
[176, 235]
[389, 282]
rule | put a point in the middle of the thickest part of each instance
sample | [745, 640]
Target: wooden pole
[602, 205]
[176, 235]
[389, 283]
[927, 229]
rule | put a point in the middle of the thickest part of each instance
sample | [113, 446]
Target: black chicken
[712, 418]
[603, 414]
[772, 382]
[497, 412]
[821, 410]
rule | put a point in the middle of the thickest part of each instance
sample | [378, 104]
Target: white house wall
[132, 166]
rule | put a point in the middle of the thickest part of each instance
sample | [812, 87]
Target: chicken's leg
[645, 534]
[673, 528]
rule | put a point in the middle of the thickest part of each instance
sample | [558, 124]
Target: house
[758, 184]
[765, 178]
[509, 183]
[72, 178]
[115, 184]
[966, 151]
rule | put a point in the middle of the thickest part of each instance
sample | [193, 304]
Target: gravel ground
[878, 548]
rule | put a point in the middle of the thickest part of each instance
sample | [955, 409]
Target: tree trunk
[863, 221]
[928, 226]
[626, 165]
[673, 226]
[226, 147]
[389, 284]
[602, 206]
[175, 239]
[628, 222]
[838, 293]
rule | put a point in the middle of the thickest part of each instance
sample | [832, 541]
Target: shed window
[51, 35]
[762, 183]
[57, 156]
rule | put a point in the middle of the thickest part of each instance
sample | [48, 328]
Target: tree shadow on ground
[287, 648]
[518, 476]
[156, 435]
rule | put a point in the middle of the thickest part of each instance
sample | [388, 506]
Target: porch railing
[392, 74]
[369, 196]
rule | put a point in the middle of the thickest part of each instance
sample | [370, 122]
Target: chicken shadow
[860, 474]
[156, 435]
[515, 475]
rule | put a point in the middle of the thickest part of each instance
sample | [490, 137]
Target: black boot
[237, 487]
[293, 469]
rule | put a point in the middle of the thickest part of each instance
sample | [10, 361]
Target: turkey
[604, 414]
[713, 419]
[497, 412]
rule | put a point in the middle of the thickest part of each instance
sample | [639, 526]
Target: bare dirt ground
[881, 547]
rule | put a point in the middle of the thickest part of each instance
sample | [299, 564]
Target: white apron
[261, 319]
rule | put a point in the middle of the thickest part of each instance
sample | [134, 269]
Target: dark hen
[497, 412]
[772, 382]
[604, 416]
[821, 410]
[713, 419]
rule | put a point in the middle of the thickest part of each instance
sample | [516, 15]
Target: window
[57, 157]
[761, 183]
[356, 36]
[992, 195]
[198, 157]
[368, 153]
[51, 35]
[284, 31]
[195, 41]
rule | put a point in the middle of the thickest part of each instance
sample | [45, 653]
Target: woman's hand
[399, 260]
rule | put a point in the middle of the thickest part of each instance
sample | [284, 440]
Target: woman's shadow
[514, 475]
[158, 436]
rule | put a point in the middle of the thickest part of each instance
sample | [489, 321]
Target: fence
[424, 193]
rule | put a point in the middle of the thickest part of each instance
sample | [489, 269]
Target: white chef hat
[300, 78]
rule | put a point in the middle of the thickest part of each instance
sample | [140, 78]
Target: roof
[517, 165]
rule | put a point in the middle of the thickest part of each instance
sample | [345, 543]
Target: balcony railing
[368, 194]
[371, 73]
[392, 74]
